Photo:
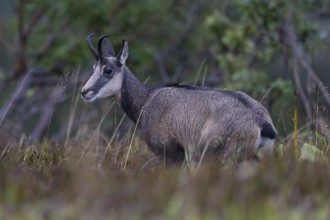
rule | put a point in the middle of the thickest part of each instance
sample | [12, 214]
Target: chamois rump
[181, 122]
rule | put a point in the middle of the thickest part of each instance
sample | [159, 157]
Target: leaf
[279, 150]
[310, 152]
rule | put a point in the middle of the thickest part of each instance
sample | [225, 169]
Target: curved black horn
[99, 46]
[90, 44]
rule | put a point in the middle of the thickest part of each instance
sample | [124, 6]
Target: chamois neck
[133, 95]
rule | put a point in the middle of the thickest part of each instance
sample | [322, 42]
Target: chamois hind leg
[171, 153]
[211, 150]
[242, 146]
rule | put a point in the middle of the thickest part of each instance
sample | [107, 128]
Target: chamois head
[108, 74]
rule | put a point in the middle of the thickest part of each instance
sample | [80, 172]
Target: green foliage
[69, 22]
[245, 32]
[248, 34]
[311, 152]
[258, 82]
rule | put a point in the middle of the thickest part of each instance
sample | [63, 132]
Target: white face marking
[111, 88]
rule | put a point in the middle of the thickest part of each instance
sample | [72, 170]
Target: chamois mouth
[88, 96]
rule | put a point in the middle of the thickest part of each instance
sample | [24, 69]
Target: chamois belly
[202, 138]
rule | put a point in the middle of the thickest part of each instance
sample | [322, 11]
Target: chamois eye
[107, 71]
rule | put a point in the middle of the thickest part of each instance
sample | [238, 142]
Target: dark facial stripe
[101, 81]
[104, 78]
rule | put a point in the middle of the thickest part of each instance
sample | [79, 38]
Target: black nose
[84, 92]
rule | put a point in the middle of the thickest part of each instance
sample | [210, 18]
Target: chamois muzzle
[87, 94]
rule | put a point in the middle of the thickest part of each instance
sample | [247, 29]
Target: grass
[92, 176]
[52, 181]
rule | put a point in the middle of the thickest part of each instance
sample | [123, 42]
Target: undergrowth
[53, 181]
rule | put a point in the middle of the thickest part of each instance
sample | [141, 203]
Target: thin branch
[5, 42]
[118, 6]
[312, 75]
[290, 39]
[45, 47]
[33, 22]
[58, 96]
[24, 32]
[161, 67]
[162, 55]
[20, 62]
[20, 91]
[45, 119]
[299, 57]
[44, 82]
[297, 51]
[300, 89]
[320, 13]
[178, 73]
[50, 40]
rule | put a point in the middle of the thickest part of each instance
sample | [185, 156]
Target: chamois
[181, 122]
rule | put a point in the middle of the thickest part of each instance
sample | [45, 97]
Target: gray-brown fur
[179, 122]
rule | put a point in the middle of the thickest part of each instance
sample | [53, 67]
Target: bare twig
[312, 75]
[299, 57]
[20, 91]
[50, 40]
[56, 98]
[20, 62]
[162, 55]
[301, 92]
[45, 47]
[73, 108]
[161, 67]
[33, 22]
[320, 13]
[295, 124]
[5, 42]
[45, 119]
[24, 32]
[300, 60]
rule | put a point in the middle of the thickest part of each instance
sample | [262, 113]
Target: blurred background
[267, 48]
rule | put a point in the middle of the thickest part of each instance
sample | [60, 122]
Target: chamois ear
[108, 49]
[123, 54]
